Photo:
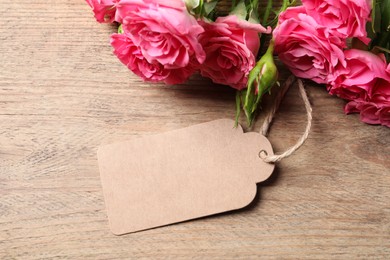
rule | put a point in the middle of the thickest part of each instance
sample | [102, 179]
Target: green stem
[267, 12]
[285, 5]
[240, 10]
[384, 39]
[271, 47]
[384, 43]
[238, 107]
[255, 4]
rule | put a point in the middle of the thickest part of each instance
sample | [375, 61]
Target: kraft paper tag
[193, 172]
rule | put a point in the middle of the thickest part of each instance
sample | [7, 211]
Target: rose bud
[260, 81]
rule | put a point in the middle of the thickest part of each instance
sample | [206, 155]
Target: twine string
[267, 121]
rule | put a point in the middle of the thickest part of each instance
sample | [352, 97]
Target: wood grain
[63, 93]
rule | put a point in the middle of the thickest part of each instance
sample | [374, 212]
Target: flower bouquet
[343, 44]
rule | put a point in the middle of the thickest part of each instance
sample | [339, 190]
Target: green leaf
[252, 99]
[370, 31]
[192, 4]
[254, 11]
[267, 12]
[249, 105]
[240, 10]
[377, 17]
[209, 7]
[254, 18]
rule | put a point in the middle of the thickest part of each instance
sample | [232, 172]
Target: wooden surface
[63, 93]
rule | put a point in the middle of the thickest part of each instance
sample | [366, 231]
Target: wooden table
[63, 93]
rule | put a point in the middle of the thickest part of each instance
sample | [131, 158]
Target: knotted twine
[268, 119]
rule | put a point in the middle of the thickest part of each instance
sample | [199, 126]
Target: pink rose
[374, 104]
[165, 36]
[307, 48]
[370, 112]
[231, 46]
[381, 92]
[384, 116]
[345, 18]
[357, 79]
[131, 55]
[104, 10]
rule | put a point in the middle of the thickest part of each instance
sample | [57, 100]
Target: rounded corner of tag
[251, 196]
[116, 230]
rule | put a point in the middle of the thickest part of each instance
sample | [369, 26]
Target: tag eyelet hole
[263, 154]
